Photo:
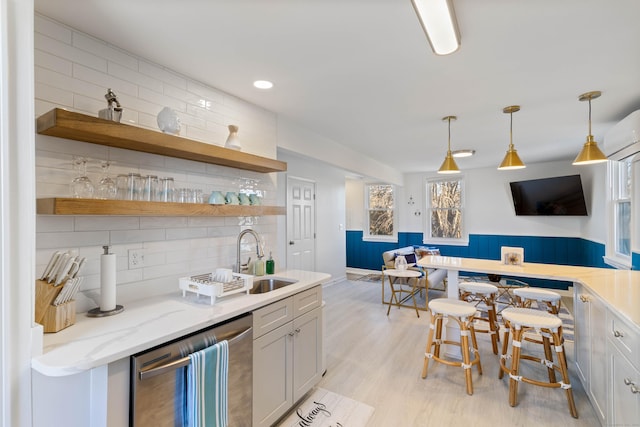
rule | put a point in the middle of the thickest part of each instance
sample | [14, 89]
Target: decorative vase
[233, 141]
[168, 121]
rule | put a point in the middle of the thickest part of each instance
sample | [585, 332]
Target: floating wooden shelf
[72, 206]
[80, 127]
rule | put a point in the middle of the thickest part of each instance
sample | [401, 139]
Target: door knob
[291, 242]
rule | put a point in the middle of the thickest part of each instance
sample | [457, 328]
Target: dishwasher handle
[171, 366]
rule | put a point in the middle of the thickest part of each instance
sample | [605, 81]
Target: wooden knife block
[53, 318]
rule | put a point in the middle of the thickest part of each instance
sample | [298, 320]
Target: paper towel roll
[107, 282]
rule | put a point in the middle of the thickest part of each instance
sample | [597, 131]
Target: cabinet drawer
[307, 300]
[269, 317]
[625, 337]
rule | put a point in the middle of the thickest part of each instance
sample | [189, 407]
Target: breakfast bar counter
[618, 289]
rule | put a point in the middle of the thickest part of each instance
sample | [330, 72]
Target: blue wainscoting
[545, 250]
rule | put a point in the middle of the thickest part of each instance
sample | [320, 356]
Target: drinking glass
[107, 188]
[81, 185]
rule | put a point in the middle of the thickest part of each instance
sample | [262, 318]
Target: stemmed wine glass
[81, 185]
[107, 188]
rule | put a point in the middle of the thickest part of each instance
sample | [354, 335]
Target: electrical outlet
[136, 258]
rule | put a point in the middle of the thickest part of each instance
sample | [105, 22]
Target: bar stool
[517, 321]
[525, 296]
[462, 312]
[479, 294]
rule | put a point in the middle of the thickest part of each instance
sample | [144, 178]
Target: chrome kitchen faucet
[259, 249]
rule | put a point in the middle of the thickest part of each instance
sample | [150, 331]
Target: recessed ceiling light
[463, 153]
[263, 84]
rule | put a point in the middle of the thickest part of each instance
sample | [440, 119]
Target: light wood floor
[378, 360]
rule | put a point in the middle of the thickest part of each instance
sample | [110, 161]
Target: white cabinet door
[591, 359]
[307, 352]
[582, 343]
[625, 391]
[272, 373]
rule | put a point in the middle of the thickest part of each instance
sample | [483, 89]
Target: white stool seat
[478, 288]
[531, 318]
[452, 307]
[537, 294]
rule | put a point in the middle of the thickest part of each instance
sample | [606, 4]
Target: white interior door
[301, 224]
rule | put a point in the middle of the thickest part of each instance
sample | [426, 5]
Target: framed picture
[511, 255]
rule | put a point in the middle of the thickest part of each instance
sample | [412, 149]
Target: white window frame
[427, 237]
[615, 180]
[366, 236]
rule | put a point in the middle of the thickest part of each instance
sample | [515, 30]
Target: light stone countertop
[618, 289]
[145, 323]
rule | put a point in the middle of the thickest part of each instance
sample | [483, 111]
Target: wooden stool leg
[393, 295]
[562, 361]
[474, 343]
[515, 366]
[493, 325]
[548, 355]
[505, 346]
[440, 319]
[432, 326]
[466, 359]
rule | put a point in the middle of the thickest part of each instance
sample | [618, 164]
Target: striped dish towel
[207, 377]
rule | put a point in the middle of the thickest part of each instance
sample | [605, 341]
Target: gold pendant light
[590, 152]
[449, 164]
[511, 159]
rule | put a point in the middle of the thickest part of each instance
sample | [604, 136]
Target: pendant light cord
[589, 115]
[511, 131]
[449, 142]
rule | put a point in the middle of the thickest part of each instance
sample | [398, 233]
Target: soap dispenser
[270, 265]
[259, 267]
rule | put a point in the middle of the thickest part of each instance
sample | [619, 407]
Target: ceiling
[361, 72]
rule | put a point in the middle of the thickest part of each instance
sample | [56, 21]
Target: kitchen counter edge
[146, 323]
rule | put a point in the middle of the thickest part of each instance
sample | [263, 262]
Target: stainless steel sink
[261, 286]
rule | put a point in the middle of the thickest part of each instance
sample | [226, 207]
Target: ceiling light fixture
[449, 164]
[463, 153]
[438, 21]
[263, 84]
[590, 152]
[511, 159]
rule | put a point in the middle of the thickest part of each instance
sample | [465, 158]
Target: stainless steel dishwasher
[158, 376]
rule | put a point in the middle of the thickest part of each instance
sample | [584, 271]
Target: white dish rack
[204, 284]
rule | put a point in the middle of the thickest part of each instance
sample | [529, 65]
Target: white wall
[489, 206]
[73, 71]
[330, 211]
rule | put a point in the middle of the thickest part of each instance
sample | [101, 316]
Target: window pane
[381, 223]
[380, 197]
[624, 183]
[446, 194]
[623, 231]
[446, 223]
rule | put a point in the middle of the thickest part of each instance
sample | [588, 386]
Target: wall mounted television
[560, 195]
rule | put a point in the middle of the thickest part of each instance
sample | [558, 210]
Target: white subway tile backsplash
[162, 100]
[52, 62]
[92, 105]
[104, 80]
[133, 76]
[66, 51]
[208, 93]
[71, 239]
[95, 223]
[104, 50]
[73, 70]
[51, 223]
[162, 74]
[52, 29]
[186, 233]
[149, 222]
[132, 236]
